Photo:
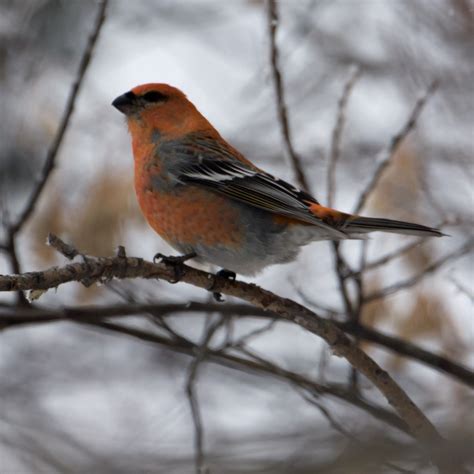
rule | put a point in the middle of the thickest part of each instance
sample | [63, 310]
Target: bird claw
[228, 275]
[175, 261]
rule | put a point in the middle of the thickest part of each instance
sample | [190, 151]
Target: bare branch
[96, 314]
[415, 279]
[105, 268]
[310, 301]
[386, 155]
[272, 15]
[337, 134]
[10, 250]
[62, 247]
[201, 353]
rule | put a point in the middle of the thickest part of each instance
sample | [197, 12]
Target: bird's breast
[185, 215]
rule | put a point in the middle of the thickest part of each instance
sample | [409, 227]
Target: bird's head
[161, 108]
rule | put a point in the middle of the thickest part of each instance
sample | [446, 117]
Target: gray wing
[203, 167]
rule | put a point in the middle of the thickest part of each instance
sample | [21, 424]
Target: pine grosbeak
[202, 196]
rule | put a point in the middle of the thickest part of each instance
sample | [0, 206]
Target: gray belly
[265, 243]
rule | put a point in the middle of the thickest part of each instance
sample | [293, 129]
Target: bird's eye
[154, 96]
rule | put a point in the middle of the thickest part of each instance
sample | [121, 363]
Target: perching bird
[204, 198]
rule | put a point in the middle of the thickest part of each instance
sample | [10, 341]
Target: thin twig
[11, 251]
[243, 340]
[326, 413]
[62, 247]
[358, 306]
[335, 152]
[201, 352]
[401, 251]
[386, 155]
[13, 229]
[273, 19]
[340, 265]
[469, 293]
[415, 279]
[346, 433]
[381, 261]
[316, 305]
[50, 160]
[342, 270]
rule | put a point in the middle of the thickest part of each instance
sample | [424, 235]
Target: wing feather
[219, 170]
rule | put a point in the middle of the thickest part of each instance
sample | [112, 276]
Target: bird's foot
[228, 275]
[175, 261]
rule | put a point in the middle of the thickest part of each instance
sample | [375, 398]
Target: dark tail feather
[362, 225]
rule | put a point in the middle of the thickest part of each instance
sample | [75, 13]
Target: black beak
[125, 103]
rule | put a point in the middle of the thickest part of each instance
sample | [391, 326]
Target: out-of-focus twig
[201, 352]
[335, 151]
[403, 250]
[415, 279]
[385, 157]
[342, 270]
[311, 302]
[243, 340]
[346, 433]
[341, 267]
[381, 261]
[50, 160]
[462, 289]
[13, 229]
[273, 19]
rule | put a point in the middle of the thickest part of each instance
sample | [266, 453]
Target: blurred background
[90, 398]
